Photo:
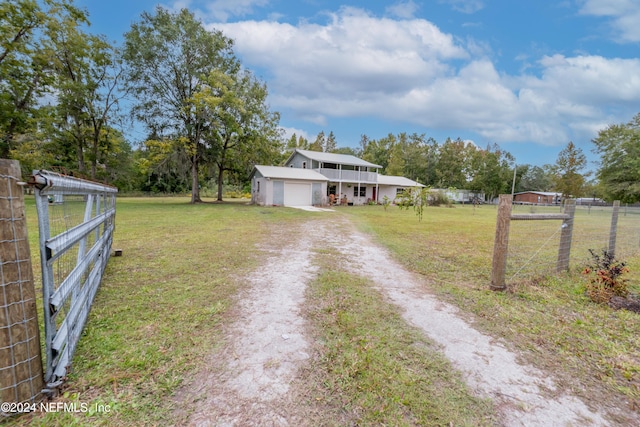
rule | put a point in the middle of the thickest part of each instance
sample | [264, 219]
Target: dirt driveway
[248, 383]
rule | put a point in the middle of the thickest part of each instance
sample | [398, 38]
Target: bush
[605, 277]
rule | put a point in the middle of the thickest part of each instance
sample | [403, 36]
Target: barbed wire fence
[541, 241]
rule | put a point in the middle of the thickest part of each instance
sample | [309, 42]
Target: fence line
[537, 246]
[20, 357]
[76, 219]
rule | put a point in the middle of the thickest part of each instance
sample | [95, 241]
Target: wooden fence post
[21, 376]
[501, 244]
[564, 251]
[613, 231]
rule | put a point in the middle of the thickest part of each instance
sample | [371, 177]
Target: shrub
[605, 277]
[386, 202]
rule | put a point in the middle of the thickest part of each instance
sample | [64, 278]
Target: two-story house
[317, 178]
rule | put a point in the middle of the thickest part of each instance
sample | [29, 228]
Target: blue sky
[528, 75]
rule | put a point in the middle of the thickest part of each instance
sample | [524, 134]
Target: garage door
[297, 194]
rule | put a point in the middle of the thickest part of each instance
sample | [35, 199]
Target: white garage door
[297, 194]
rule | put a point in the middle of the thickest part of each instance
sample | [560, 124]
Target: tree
[534, 178]
[490, 171]
[319, 143]
[619, 171]
[87, 70]
[27, 32]
[567, 177]
[239, 129]
[452, 162]
[330, 143]
[167, 57]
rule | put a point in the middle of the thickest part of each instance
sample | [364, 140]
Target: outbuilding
[286, 186]
[537, 198]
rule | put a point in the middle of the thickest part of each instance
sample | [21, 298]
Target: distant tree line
[69, 97]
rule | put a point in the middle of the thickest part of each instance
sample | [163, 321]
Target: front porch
[351, 193]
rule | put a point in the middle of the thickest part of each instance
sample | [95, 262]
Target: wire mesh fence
[20, 357]
[534, 246]
[76, 219]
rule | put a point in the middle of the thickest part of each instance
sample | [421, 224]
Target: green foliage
[416, 198]
[30, 40]
[386, 202]
[533, 178]
[239, 128]
[605, 275]
[567, 177]
[619, 171]
[169, 56]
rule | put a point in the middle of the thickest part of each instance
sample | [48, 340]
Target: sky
[529, 76]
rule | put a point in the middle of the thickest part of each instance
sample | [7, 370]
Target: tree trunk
[195, 186]
[220, 175]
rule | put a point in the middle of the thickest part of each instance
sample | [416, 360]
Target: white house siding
[389, 191]
[261, 191]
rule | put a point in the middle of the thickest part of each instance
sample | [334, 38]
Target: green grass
[550, 320]
[376, 370]
[157, 316]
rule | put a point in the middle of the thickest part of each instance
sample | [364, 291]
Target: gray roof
[342, 159]
[398, 181]
[279, 172]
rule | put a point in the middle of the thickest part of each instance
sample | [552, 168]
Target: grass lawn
[550, 320]
[158, 314]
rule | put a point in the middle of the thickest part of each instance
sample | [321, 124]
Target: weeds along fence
[76, 220]
[537, 241]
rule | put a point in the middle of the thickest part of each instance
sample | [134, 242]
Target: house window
[359, 191]
[304, 165]
[258, 189]
[399, 191]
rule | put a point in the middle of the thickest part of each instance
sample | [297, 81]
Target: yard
[159, 317]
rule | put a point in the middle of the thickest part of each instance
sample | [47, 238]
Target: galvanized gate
[76, 219]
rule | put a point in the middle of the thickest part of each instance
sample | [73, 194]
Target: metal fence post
[564, 251]
[501, 243]
[613, 231]
[21, 375]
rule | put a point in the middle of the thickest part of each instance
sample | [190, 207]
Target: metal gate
[76, 219]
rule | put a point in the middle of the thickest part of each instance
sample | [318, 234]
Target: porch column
[340, 184]
[359, 170]
[377, 189]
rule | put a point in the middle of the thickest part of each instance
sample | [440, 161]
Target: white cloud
[219, 10]
[287, 132]
[465, 6]
[625, 15]
[357, 65]
[405, 10]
